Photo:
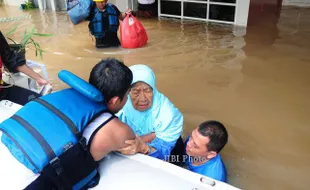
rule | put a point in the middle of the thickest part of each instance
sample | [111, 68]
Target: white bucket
[24, 81]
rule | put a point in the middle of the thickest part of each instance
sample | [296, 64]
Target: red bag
[133, 34]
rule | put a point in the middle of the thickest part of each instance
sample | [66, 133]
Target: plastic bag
[78, 10]
[132, 33]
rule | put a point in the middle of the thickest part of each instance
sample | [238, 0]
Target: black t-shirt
[106, 18]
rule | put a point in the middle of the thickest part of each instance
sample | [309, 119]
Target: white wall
[299, 3]
[122, 5]
[14, 2]
[47, 4]
[56, 5]
[242, 12]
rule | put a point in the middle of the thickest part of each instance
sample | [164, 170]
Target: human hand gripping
[134, 146]
[128, 11]
[42, 81]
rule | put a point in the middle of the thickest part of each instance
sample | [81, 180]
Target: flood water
[255, 80]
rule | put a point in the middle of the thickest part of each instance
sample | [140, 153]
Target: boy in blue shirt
[202, 150]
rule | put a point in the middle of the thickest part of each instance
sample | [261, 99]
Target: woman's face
[141, 95]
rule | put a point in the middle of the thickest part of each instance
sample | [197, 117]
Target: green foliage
[28, 5]
[28, 41]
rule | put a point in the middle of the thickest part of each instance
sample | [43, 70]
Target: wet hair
[217, 134]
[112, 77]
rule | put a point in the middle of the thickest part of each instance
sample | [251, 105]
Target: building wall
[242, 12]
[13, 2]
[47, 4]
[122, 5]
[57, 5]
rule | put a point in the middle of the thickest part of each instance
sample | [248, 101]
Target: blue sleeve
[122, 117]
[169, 125]
[214, 168]
[217, 172]
[163, 148]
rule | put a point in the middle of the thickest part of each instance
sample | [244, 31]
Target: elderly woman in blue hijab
[158, 124]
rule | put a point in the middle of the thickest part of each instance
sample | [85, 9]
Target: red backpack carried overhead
[132, 33]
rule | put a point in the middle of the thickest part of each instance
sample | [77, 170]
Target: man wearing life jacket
[56, 141]
[104, 23]
[12, 61]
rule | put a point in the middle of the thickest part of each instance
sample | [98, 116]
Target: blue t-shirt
[213, 168]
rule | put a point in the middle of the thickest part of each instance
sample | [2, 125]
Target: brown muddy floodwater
[255, 81]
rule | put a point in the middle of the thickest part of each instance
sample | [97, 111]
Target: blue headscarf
[163, 118]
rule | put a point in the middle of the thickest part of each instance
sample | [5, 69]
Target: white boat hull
[7, 109]
[141, 172]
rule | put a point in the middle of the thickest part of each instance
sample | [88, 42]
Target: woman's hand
[42, 81]
[32, 74]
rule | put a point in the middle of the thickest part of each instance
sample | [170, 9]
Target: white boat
[136, 172]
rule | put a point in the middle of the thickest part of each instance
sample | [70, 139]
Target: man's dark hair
[217, 134]
[112, 77]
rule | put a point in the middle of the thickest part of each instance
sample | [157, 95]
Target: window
[222, 11]
[195, 10]
[171, 7]
[224, 1]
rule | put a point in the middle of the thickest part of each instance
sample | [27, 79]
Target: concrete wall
[299, 3]
[46, 4]
[14, 2]
[242, 12]
[61, 4]
[57, 5]
[122, 5]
